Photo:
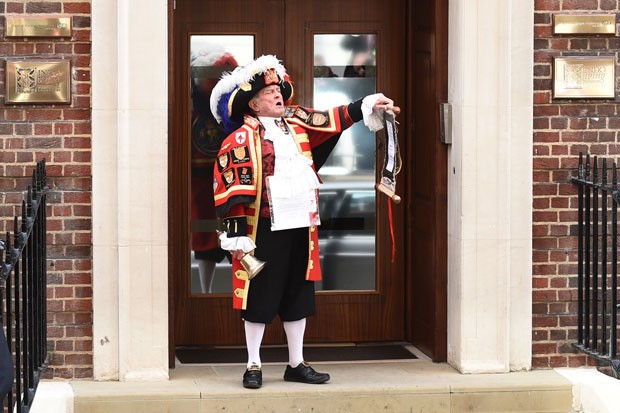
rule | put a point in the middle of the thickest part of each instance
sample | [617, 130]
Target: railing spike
[8, 247]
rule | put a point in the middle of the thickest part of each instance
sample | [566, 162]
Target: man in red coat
[266, 192]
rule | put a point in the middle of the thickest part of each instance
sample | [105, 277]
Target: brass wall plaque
[37, 81]
[584, 24]
[584, 77]
[38, 26]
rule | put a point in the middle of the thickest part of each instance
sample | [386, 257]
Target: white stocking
[253, 338]
[295, 338]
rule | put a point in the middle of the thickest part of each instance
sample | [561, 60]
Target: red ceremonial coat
[238, 176]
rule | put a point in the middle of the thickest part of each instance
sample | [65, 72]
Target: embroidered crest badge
[240, 154]
[302, 114]
[229, 178]
[240, 137]
[271, 77]
[222, 161]
[318, 119]
[245, 176]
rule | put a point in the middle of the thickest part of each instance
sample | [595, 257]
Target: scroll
[391, 161]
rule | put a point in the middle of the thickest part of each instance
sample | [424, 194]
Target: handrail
[597, 278]
[23, 308]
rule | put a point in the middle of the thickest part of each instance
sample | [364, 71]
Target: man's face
[268, 102]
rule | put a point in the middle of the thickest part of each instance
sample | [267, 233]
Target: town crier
[266, 192]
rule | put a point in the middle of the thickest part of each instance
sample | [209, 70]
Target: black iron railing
[597, 260]
[23, 283]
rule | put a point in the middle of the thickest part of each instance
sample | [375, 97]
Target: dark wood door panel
[341, 316]
[428, 205]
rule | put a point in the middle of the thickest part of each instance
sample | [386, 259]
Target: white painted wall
[490, 185]
[130, 204]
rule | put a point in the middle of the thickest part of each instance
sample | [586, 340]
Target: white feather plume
[241, 75]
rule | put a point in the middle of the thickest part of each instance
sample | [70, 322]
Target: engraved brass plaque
[584, 24]
[37, 81]
[584, 77]
[38, 26]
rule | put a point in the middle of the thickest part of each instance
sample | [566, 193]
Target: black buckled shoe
[253, 377]
[304, 374]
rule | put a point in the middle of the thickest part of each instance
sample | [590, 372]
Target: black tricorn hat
[231, 95]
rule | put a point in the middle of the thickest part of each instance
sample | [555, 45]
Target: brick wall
[562, 129]
[60, 134]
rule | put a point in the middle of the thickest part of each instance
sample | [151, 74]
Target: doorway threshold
[315, 352]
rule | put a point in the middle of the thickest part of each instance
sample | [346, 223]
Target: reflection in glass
[344, 71]
[210, 56]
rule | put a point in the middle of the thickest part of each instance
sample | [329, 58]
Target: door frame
[438, 343]
[433, 343]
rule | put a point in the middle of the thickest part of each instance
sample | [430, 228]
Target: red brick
[546, 5]
[63, 292]
[63, 345]
[79, 359]
[63, 48]
[82, 35]
[77, 170]
[544, 269]
[77, 197]
[24, 48]
[541, 203]
[546, 163]
[540, 362]
[43, 7]
[544, 321]
[76, 8]
[543, 31]
[83, 318]
[83, 345]
[76, 114]
[546, 110]
[42, 129]
[74, 142]
[12, 7]
[580, 5]
[544, 348]
[82, 48]
[44, 48]
[79, 278]
[79, 331]
[43, 114]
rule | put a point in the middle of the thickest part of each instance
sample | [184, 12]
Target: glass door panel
[210, 56]
[344, 71]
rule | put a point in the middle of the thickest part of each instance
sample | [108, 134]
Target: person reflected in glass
[266, 193]
[207, 136]
[362, 49]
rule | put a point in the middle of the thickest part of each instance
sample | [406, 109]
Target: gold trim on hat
[230, 102]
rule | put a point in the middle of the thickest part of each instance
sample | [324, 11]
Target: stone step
[386, 386]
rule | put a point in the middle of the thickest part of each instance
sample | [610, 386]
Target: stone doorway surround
[489, 204]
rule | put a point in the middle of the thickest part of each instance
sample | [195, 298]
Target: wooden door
[289, 29]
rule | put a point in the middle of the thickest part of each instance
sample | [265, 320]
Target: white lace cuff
[236, 243]
[373, 119]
